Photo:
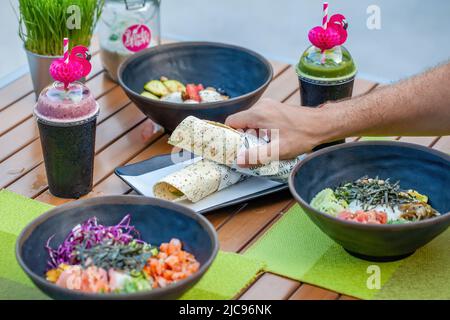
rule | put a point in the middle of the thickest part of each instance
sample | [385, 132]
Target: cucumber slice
[175, 191]
[174, 86]
[156, 87]
[149, 95]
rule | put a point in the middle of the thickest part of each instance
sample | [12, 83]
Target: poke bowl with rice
[121, 247]
[380, 200]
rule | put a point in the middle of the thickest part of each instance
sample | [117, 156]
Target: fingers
[240, 120]
[253, 118]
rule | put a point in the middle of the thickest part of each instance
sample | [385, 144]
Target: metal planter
[39, 65]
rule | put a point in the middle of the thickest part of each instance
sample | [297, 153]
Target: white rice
[392, 214]
[173, 97]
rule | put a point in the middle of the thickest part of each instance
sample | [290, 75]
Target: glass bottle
[127, 27]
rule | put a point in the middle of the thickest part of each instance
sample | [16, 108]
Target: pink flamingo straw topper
[332, 33]
[73, 66]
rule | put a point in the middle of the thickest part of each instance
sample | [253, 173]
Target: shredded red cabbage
[90, 233]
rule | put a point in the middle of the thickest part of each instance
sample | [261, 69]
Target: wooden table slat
[282, 86]
[16, 139]
[443, 144]
[309, 292]
[15, 91]
[16, 113]
[266, 228]
[270, 287]
[237, 232]
[363, 86]
[278, 68]
[424, 141]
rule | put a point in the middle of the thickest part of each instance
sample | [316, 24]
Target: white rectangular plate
[144, 175]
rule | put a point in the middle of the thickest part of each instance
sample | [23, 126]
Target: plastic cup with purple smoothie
[67, 123]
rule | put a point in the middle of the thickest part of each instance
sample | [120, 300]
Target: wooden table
[125, 135]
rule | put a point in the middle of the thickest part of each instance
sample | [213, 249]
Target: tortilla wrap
[220, 143]
[210, 140]
[196, 181]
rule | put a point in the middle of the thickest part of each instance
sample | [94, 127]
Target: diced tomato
[155, 267]
[171, 264]
[167, 274]
[182, 255]
[345, 215]
[161, 282]
[178, 276]
[361, 216]
[194, 267]
[382, 217]
[371, 217]
[172, 261]
[192, 92]
[162, 255]
[163, 247]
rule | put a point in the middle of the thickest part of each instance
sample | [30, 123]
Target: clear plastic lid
[334, 64]
[56, 104]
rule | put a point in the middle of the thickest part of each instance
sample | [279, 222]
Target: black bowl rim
[120, 199]
[203, 105]
[357, 225]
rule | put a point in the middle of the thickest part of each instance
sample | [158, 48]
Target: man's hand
[417, 106]
[298, 130]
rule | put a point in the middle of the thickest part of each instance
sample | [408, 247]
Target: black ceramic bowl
[241, 73]
[416, 167]
[157, 221]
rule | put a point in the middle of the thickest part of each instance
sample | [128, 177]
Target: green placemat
[294, 247]
[229, 274]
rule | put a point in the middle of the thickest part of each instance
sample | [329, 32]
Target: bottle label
[136, 37]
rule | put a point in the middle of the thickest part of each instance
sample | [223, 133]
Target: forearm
[417, 106]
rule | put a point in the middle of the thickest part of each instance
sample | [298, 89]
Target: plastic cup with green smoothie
[325, 76]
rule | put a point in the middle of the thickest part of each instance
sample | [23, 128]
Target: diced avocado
[326, 201]
[149, 95]
[156, 87]
[174, 86]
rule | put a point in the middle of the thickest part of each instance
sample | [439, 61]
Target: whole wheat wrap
[196, 181]
[221, 144]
